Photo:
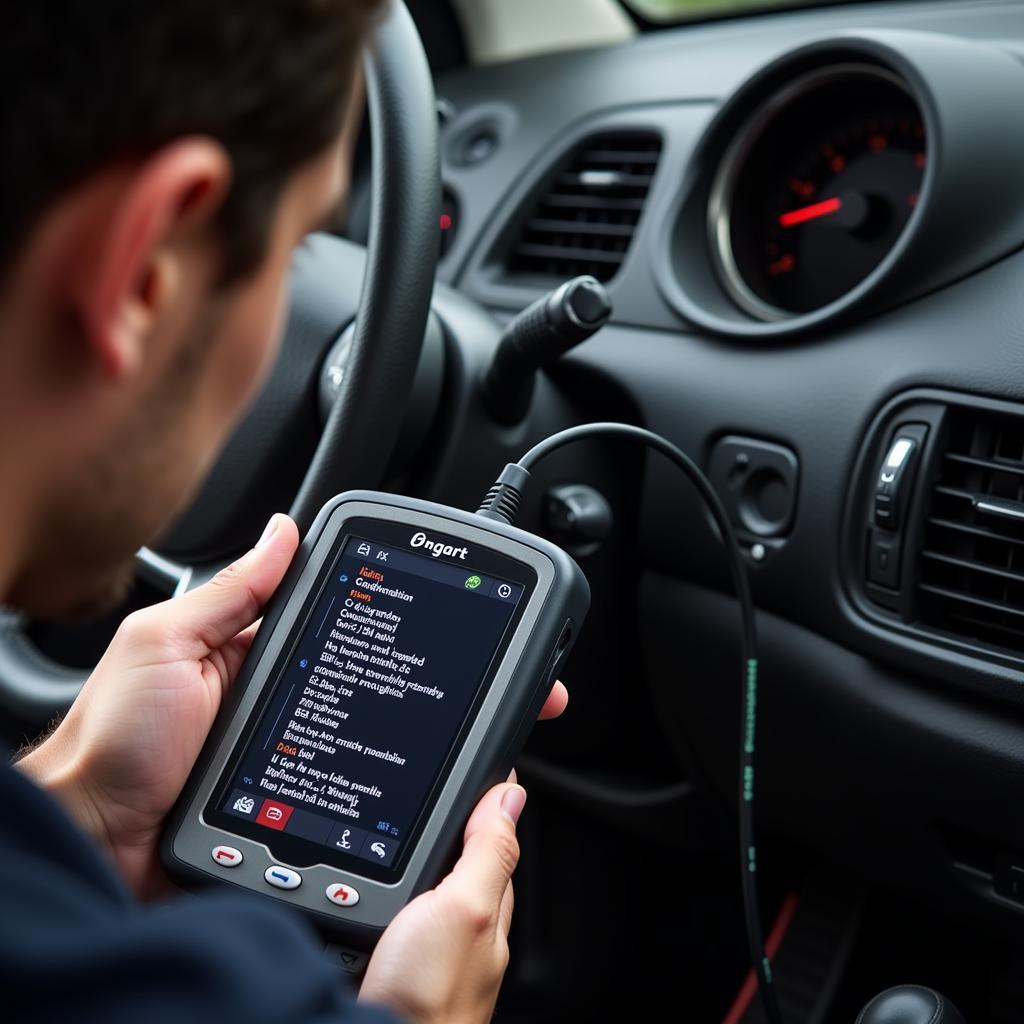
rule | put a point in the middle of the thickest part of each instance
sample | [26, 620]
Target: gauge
[816, 189]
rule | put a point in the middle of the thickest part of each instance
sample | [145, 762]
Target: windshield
[688, 10]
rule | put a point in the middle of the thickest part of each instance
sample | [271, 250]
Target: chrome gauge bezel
[733, 160]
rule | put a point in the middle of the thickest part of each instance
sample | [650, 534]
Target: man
[162, 160]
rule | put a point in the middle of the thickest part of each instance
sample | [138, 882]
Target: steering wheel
[390, 315]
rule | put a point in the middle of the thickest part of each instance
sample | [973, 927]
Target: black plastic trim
[920, 405]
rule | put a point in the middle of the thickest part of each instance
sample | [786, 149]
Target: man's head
[161, 162]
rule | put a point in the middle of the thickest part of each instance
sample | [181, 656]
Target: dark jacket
[76, 946]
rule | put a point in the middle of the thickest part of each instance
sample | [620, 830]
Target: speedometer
[816, 189]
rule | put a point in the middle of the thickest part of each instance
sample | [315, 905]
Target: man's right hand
[443, 957]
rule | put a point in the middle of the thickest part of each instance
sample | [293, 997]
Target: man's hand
[442, 959]
[119, 759]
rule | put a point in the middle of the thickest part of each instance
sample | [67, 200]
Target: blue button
[282, 878]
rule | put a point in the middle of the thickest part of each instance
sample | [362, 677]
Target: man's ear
[134, 270]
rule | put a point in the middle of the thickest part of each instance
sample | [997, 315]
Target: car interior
[785, 235]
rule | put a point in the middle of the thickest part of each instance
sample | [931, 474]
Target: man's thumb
[491, 852]
[207, 617]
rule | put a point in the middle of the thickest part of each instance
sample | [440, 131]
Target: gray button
[506, 591]
[343, 894]
[346, 838]
[226, 856]
[243, 804]
[282, 878]
[379, 849]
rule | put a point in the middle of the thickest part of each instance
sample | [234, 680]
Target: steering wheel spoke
[167, 576]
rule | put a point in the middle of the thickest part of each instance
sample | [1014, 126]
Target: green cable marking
[748, 739]
[748, 776]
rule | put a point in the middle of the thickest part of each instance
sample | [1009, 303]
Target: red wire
[748, 990]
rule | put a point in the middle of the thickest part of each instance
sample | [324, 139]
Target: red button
[226, 856]
[274, 815]
[343, 895]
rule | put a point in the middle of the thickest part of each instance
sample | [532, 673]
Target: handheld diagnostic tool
[396, 675]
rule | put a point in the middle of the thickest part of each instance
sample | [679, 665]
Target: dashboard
[810, 226]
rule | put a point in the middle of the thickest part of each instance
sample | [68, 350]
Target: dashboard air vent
[585, 218]
[971, 571]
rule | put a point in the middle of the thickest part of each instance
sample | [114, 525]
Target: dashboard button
[895, 482]
[282, 878]
[343, 895]
[883, 510]
[226, 856]
[884, 559]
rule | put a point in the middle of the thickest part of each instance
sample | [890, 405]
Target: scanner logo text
[438, 548]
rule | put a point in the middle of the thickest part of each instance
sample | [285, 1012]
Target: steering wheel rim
[401, 262]
[394, 303]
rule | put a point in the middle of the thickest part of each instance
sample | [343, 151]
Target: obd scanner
[396, 676]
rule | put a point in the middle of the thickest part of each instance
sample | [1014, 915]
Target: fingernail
[513, 802]
[269, 530]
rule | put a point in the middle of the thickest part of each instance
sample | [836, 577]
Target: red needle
[812, 212]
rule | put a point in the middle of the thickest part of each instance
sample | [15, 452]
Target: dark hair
[87, 82]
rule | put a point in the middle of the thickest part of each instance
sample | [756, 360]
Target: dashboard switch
[884, 559]
[757, 482]
[1008, 880]
[896, 477]
[578, 518]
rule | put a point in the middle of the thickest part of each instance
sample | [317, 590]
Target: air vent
[585, 219]
[971, 570]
